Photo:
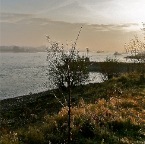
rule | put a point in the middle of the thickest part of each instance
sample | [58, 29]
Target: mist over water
[25, 73]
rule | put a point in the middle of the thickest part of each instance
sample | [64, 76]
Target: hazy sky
[107, 24]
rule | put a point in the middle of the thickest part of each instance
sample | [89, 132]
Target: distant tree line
[16, 49]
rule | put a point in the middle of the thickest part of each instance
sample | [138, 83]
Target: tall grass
[115, 120]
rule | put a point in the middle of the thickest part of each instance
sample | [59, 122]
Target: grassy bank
[109, 112]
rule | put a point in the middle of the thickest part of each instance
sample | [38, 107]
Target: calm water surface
[24, 73]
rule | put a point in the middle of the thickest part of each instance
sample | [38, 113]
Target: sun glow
[117, 12]
[135, 11]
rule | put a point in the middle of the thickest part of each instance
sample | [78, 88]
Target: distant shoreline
[18, 49]
[21, 51]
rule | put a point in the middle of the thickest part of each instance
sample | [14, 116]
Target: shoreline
[23, 99]
[20, 111]
[22, 96]
[30, 110]
[119, 67]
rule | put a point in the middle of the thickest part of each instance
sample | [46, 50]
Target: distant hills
[17, 49]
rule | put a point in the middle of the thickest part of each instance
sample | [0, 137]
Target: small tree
[136, 48]
[67, 66]
[67, 69]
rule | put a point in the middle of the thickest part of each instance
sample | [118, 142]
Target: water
[25, 73]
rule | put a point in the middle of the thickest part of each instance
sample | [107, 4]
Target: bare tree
[136, 48]
[67, 61]
[67, 69]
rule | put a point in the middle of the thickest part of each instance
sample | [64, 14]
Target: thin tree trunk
[69, 115]
[69, 105]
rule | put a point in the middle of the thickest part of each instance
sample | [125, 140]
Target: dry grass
[119, 118]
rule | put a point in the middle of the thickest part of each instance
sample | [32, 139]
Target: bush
[109, 68]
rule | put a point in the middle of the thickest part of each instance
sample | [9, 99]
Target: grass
[112, 112]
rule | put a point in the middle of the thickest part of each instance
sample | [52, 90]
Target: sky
[107, 24]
